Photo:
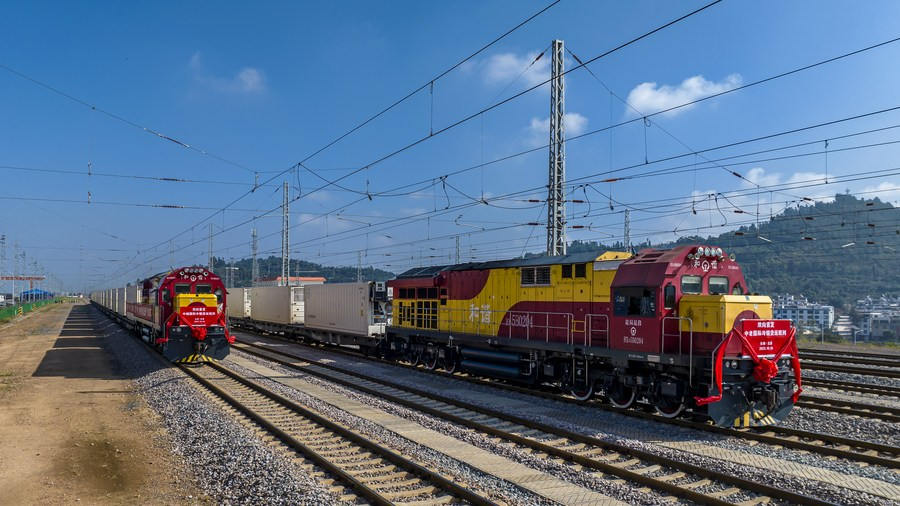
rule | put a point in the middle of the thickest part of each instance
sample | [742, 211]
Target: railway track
[850, 353]
[863, 371]
[372, 472]
[850, 386]
[813, 442]
[848, 358]
[672, 477]
[885, 413]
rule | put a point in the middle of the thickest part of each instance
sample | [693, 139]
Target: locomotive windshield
[718, 285]
[691, 284]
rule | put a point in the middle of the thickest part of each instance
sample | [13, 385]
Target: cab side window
[634, 301]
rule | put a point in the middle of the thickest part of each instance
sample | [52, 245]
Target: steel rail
[853, 386]
[756, 434]
[356, 484]
[666, 487]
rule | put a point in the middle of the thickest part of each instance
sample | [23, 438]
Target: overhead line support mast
[556, 204]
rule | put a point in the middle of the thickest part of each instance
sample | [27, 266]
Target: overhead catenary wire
[444, 183]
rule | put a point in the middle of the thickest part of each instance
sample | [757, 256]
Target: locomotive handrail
[588, 333]
[690, 342]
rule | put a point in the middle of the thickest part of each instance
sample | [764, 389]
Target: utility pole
[254, 253]
[628, 230]
[211, 259]
[556, 205]
[285, 239]
[3, 255]
[15, 268]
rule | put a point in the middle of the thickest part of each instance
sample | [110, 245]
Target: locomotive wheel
[669, 407]
[582, 394]
[415, 359]
[430, 361]
[450, 366]
[621, 395]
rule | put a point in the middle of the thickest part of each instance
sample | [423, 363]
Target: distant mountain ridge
[831, 252]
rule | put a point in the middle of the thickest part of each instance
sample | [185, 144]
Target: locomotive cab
[685, 311]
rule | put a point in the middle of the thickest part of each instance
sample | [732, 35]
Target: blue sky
[223, 95]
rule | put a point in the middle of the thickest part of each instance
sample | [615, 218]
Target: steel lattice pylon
[285, 240]
[556, 205]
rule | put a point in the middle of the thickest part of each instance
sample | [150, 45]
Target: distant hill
[831, 252]
[271, 267]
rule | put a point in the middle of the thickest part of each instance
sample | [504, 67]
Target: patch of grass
[7, 380]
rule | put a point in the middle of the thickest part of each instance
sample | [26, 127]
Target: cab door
[634, 324]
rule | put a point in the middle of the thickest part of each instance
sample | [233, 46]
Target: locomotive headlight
[707, 251]
[734, 364]
[718, 252]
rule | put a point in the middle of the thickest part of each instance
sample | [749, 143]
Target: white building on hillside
[802, 312]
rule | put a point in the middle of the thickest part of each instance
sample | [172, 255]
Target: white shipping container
[238, 303]
[120, 301]
[342, 307]
[132, 294]
[277, 304]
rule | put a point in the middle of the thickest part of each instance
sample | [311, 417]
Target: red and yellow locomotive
[673, 328]
[182, 314]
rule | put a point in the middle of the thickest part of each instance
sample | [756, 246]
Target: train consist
[674, 329]
[181, 313]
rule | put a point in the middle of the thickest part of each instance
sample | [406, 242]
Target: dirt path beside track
[71, 429]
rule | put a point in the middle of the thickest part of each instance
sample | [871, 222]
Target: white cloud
[758, 175]
[539, 129]
[248, 80]
[886, 191]
[504, 68]
[649, 98]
